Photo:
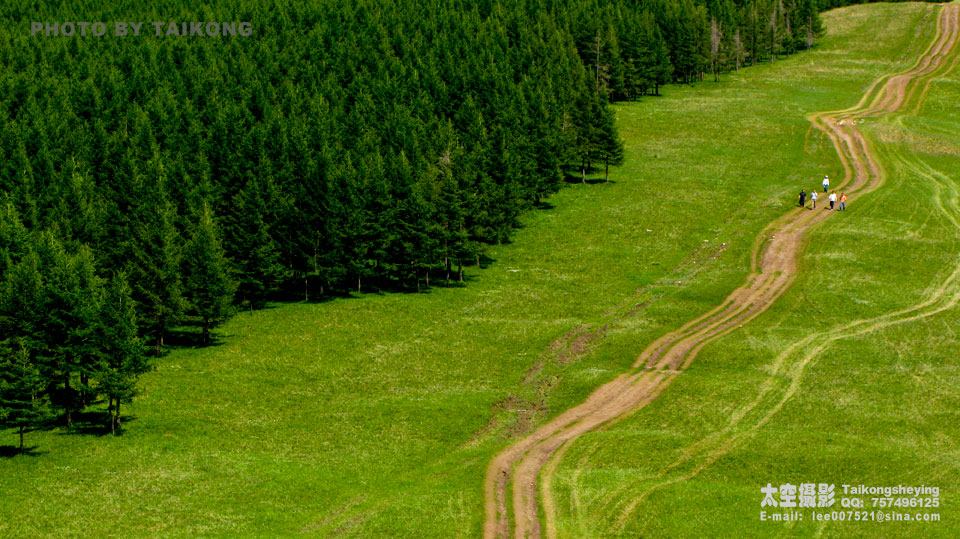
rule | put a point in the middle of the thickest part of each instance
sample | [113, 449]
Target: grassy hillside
[378, 415]
[851, 378]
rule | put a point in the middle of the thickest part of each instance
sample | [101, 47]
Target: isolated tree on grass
[207, 280]
[22, 400]
[121, 358]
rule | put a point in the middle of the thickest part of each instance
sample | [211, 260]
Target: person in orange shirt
[843, 201]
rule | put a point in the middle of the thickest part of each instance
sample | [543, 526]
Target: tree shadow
[94, 423]
[294, 294]
[10, 451]
[438, 279]
[572, 179]
[577, 178]
[543, 205]
[272, 301]
[183, 338]
[318, 298]
[486, 261]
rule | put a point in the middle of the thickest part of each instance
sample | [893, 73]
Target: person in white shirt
[833, 199]
[826, 183]
[813, 199]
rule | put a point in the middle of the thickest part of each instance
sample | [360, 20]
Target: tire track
[943, 298]
[715, 446]
[517, 469]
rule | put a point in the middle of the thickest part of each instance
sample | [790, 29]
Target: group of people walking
[832, 198]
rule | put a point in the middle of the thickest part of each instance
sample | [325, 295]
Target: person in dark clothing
[803, 198]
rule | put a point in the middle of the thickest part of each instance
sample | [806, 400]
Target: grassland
[850, 378]
[377, 415]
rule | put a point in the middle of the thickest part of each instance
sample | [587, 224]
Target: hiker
[826, 183]
[803, 198]
[833, 198]
[813, 199]
[843, 201]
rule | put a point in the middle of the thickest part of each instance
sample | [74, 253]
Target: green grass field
[377, 415]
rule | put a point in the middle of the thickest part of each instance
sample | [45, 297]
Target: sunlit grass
[878, 409]
[377, 416]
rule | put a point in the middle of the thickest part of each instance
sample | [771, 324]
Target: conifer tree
[255, 252]
[119, 352]
[408, 147]
[610, 147]
[207, 282]
[716, 42]
[22, 400]
[14, 237]
[72, 294]
[655, 67]
[75, 214]
[594, 124]
[155, 271]
[23, 302]
[809, 22]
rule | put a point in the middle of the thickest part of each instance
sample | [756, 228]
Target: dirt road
[519, 469]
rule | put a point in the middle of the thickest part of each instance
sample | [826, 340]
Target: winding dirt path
[790, 366]
[511, 486]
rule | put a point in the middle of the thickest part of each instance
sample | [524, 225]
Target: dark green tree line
[151, 183]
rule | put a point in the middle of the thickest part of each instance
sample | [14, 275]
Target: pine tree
[255, 252]
[86, 298]
[119, 350]
[72, 294]
[420, 143]
[610, 147]
[655, 67]
[588, 118]
[207, 281]
[22, 401]
[76, 214]
[450, 212]
[775, 31]
[154, 267]
[716, 41]
[14, 237]
[23, 302]
[811, 26]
